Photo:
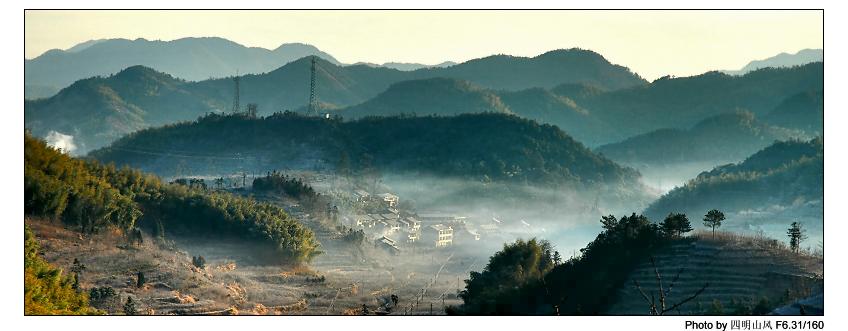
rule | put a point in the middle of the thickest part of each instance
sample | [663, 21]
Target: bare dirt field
[233, 281]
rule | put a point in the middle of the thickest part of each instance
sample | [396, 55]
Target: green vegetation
[802, 111]
[280, 183]
[98, 110]
[89, 196]
[684, 101]
[796, 236]
[484, 147]
[46, 290]
[721, 138]
[786, 173]
[525, 279]
[675, 225]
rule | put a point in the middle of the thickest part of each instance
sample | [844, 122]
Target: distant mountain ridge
[405, 66]
[288, 88]
[802, 57]
[723, 138]
[187, 58]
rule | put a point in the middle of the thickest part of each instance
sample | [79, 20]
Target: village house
[389, 199]
[410, 224]
[439, 235]
[388, 244]
[437, 217]
[361, 196]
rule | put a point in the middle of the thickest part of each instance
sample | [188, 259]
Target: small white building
[439, 235]
[410, 224]
[389, 199]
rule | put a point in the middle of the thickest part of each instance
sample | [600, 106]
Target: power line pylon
[313, 110]
[236, 103]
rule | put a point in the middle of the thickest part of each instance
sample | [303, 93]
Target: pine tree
[713, 219]
[140, 280]
[796, 234]
[675, 225]
[129, 307]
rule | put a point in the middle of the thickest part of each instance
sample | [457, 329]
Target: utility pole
[312, 106]
[236, 103]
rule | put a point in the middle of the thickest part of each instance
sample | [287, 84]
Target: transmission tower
[236, 104]
[312, 106]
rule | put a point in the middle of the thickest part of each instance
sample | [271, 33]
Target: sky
[651, 43]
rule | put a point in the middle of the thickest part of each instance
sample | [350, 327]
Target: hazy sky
[651, 43]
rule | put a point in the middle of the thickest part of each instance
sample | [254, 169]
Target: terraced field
[734, 267]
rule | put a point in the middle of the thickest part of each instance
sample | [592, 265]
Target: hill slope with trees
[90, 197]
[165, 99]
[721, 139]
[788, 174]
[484, 146]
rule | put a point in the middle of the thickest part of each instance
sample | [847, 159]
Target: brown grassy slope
[736, 268]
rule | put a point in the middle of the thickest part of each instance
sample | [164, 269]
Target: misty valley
[560, 184]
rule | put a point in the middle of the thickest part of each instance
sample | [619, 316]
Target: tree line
[89, 197]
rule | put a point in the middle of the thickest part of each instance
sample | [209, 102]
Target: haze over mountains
[802, 57]
[577, 90]
[165, 98]
[187, 58]
[780, 182]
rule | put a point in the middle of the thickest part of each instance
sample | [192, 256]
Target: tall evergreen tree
[675, 225]
[796, 234]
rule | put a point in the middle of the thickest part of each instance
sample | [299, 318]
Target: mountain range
[802, 57]
[156, 98]
[187, 58]
[578, 90]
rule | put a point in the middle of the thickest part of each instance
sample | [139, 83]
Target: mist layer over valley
[501, 185]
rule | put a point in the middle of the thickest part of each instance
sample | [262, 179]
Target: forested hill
[721, 139]
[156, 98]
[90, 197]
[488, 146]
[786, 174]
[682, 102]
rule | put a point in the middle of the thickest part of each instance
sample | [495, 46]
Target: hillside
[803, 111]
[472, 146]
[285, 88]
[683, 102]
[186, 58]
[720, 139]
[746, 275]
[434, 96]
[743, 275]
[779, 183]
[98, 110]
[443, 96]
[89, 198]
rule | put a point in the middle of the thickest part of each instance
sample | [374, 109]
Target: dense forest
[788, 173]
[89, 196]
[485, 147]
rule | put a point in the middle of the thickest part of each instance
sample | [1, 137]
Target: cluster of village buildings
[395, 229]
